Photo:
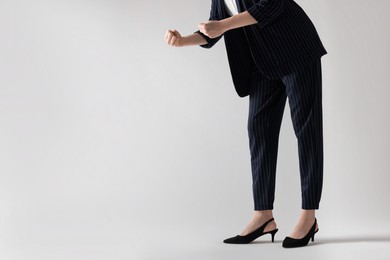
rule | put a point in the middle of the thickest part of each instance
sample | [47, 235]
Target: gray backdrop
[114, 145]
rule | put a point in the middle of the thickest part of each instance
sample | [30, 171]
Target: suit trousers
[267, 100]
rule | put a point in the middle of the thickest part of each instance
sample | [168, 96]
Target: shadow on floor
[352, 239]
[336, 240]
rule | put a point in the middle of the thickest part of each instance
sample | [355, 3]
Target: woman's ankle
[263, 213]
[308, 213]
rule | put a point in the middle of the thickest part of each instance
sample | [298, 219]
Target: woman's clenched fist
[173, 38]
[212, 29]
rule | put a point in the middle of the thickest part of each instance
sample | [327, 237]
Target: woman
[274, 52]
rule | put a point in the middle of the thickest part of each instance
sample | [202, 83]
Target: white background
[114, 145]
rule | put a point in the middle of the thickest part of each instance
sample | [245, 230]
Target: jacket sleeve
[265, 11]
[213, 16]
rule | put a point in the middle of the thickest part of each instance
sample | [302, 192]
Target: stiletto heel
[251, 236]
[312, 238]
[289, 242]
[273, 232]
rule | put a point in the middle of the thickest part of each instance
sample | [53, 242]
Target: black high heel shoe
[251, 236]
[290, 242]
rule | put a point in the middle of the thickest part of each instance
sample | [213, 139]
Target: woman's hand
[173, 38]
[212, 29]
[216, 28]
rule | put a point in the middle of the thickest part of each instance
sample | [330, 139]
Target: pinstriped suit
[276, 58]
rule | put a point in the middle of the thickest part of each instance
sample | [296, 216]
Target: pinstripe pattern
[275, 59]
[265, 11]
[284, 40]
[266, 105]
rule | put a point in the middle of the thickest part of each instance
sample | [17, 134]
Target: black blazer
[283, 40]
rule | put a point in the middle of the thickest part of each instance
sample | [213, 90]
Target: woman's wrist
[192, 39]
[216, 28]
[227, 24]
[238, 20]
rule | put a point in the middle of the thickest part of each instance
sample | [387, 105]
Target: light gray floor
[351, 245]
[115, 241]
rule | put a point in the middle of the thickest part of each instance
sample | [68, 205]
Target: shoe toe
[230, 240]
[287, 242]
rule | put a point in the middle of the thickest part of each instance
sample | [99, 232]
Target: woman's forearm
[193, 39]
[211, 29]
[238, 20]
[216, 28]
[174, 38]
